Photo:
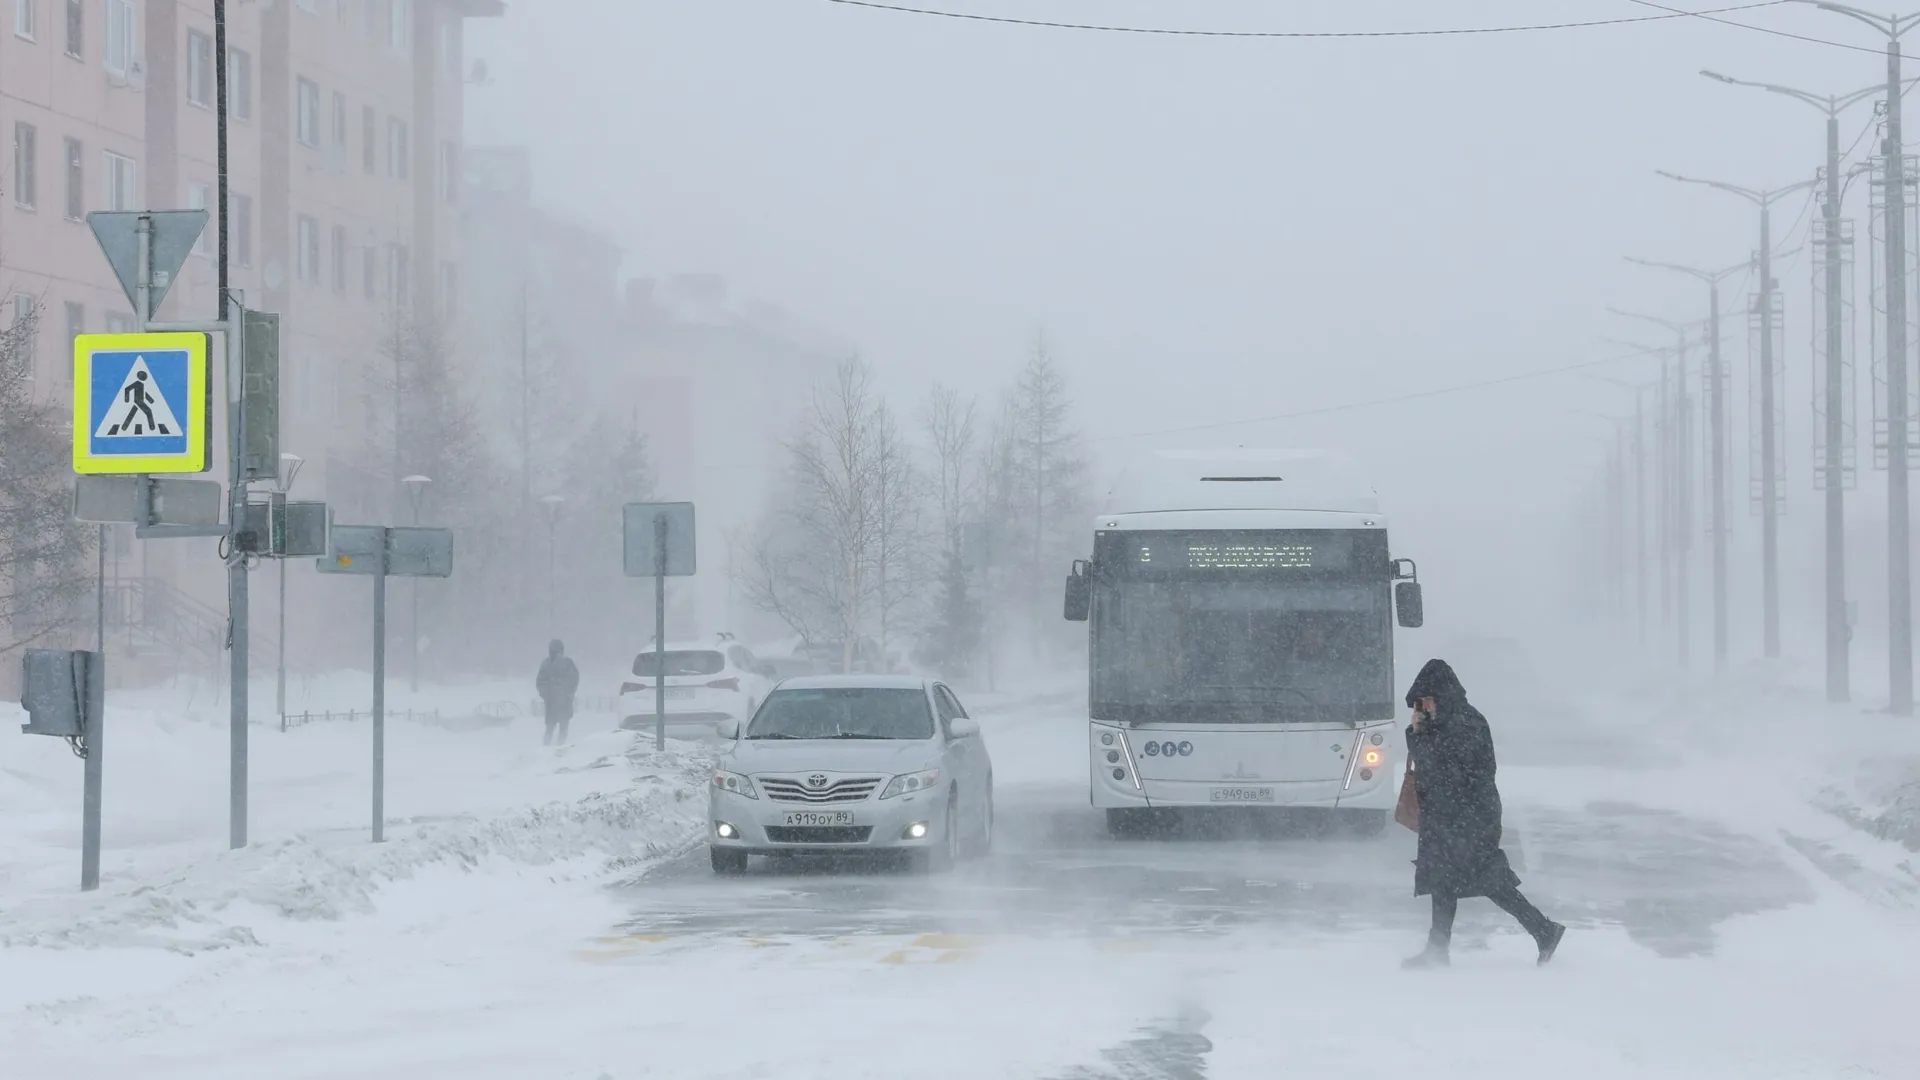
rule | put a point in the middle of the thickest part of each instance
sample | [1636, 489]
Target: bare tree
[898, 543]
[1050, 468]
[815, 563]
[43, 572]
[955, 631]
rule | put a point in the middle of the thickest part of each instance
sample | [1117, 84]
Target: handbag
[1407, 810]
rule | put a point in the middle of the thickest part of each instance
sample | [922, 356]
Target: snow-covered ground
[533, 915]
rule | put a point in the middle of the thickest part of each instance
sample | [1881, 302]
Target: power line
[1713, 16]
[1373, 402]
[1009, 20]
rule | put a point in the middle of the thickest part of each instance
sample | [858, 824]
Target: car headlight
[734, 782]
[907, 783]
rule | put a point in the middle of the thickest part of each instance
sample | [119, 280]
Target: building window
[118, 322]
[450, 171]
[23, 328]
[307, 236]
[76, 181]
[339, 258]
[119, 54]
[199, 69]
[241, 227]
[450, 48]
[400, 26]
[120, 181]
[76, 27]
[396, 148]
[449, 289]
[339, 132]
[239, 84]
[369, 273]
[397, 275]
[23, 18]
[369, 141]
[26, 165]
[307, 111]
[200, 197]
[76, 321]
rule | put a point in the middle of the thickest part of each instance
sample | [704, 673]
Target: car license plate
[1243, 794]
[679, 693]
[806, 818]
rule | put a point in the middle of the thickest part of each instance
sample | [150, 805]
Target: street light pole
[1899, 558]
[1717, 433]
[1771, 488]
[552, 504]
[416, 493]
[283, 481]
[1643, 570]
[1833, 466]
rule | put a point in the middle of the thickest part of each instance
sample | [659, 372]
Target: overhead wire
[1669, 14]
[1718, 16]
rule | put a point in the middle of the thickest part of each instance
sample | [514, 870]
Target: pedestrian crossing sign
[141, 403]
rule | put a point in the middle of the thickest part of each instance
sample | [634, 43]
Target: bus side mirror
[1079, 592]
[1406, 600]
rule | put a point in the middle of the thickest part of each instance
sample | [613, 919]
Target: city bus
[1241, 608]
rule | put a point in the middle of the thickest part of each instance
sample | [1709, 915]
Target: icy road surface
[1720, 928]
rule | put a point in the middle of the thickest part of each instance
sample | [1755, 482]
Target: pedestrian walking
[1451, 752]
[557, 682]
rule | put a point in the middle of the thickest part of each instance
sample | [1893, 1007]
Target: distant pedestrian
[1451, 749]
[557, 682]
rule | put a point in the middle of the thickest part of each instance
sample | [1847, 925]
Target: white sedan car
[836, 764]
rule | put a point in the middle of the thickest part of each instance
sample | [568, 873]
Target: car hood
[829, 755]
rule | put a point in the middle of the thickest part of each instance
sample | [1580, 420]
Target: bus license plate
[815, 819]
[1243, 794]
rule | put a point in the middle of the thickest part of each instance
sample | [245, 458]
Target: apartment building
[343, 175]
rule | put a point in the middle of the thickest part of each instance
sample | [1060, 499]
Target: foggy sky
[1210, 229]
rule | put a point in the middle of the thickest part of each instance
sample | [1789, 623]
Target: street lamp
[1640, 523]
[282, 483]
[1717, 424]
[416, 487]
[1677, 478]
[552, 505]
[1771, 487]
[1835, 433]
[1899, 557]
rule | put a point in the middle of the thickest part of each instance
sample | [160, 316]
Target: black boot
[1550, 941]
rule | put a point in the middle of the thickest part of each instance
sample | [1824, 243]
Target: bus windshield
[1263, 639]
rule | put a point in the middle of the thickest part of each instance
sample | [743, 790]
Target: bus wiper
[857, 735]
[776, 735]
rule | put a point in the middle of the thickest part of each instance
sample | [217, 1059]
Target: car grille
[857, 789]
[827, 834]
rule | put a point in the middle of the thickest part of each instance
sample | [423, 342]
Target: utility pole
[1717, 457]
[1642, 564]
[289, 468]
[1772, 485]
[1899, 438]
[237, 598]
[1676, 480]
[1836, 435]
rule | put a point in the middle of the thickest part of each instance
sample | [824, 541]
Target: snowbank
[458, 798]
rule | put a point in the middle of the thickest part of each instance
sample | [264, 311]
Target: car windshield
[679, 662]
[862, 712]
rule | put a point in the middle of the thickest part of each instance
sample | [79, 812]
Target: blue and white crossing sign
[141, 403]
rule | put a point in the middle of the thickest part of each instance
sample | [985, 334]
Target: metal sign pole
[380, 691]
[660, 631]
[90, 794]
[237, 603]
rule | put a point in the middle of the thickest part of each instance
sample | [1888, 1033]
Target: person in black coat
[1451, 749]
[557, 682]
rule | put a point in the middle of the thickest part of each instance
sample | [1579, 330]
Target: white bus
[1241, 610]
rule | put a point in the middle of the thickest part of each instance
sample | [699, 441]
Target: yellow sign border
[199, 456]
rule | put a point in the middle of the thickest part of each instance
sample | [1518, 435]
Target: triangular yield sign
[139, 409]
[174, 234]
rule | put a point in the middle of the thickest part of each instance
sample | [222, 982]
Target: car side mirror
[963, 727]
[1407, 602]
[728, 730]
[1079, 600]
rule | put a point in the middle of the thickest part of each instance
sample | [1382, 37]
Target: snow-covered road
[1721, 928]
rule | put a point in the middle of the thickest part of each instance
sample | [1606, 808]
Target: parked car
[707, 685]
[837, 764]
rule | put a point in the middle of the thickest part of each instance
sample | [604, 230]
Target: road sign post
[658, 540]
[379, 552]
[64, 692]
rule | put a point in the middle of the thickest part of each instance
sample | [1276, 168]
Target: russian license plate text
[1243, 794]
[817, 818]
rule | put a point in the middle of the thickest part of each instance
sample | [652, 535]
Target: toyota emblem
[816, 780]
